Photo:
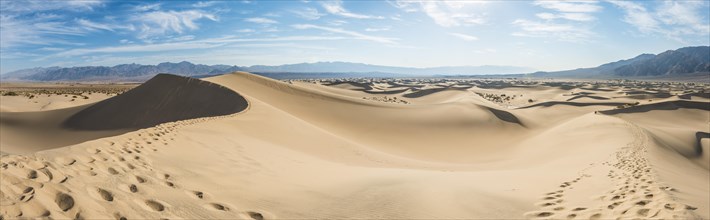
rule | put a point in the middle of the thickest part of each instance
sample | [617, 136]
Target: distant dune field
[245, 146]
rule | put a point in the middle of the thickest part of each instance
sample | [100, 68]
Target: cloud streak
[336, 8]
[671, 19]
[446, 13]
[354, 34]
[260, 20]
[465, 37]
[159, 23]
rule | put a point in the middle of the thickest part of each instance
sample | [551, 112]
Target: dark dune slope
[669, 105]
[164, 98]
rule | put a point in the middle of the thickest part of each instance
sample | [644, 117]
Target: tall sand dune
[164, 98]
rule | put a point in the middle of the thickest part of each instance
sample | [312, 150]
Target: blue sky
[545, 35]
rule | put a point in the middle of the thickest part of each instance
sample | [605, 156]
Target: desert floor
[249, 147]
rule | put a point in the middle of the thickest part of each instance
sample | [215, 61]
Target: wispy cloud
[357, 35]
[584, 6]
[336, 8]
[570, 10]
[378, 29]
[159, 23]
[564, 32]
[446, 13]
[37, 23]
[568, 16]
[260, 20]
[465, 37]
[188, 43]
[35, 30]
[673, 19]
[90, 25]
[44, 5]
[204, 4]
[308, 13]
[147, 7]
[565, 21]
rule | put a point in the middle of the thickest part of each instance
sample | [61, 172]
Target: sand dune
[164, 98]
[317, 149]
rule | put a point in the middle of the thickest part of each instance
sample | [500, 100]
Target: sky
[544, 35]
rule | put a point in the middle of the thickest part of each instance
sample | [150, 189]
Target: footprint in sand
[64, 201]
[155, 205]
[217, 207]
[255, 215]
[100, 194]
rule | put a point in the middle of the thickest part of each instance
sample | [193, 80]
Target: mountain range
[686, 61]
[138, 72]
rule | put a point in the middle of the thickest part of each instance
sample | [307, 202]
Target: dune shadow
[505, 116]
[698, 146]
[576, 104]
[669, 105]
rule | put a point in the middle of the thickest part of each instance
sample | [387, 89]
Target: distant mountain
[123, 72]
[683, 62]
[346, 67]
[672, 62]
[687, 61]
[138, 72]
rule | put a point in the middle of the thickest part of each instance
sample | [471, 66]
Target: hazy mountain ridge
[131, 72]
[683, 62]
[138, 72]
[680, 62]
[672, 62]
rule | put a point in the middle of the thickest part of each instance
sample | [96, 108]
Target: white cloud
[308, 13]
[465, 37]
[582, 6]
[348, 33]
[204, 4]
[44, 5]
[672, 19]
[90, 25]
[568, 16]
[246, 30]
[36, 30]
[637, 15]
[36, 22]
[185, 45]
[686, 15]
[446, 13]
[147, 7]
[336, 8]
[337, 22]
[378, 29]
[564, 32]
[260, 20]
[570, 10]
[159, 23]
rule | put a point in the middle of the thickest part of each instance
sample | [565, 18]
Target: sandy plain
[245, 146]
